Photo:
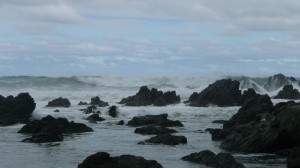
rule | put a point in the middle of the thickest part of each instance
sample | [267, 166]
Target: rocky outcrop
[59, 102]
[210, 159]
[158, 120]
[153, 130]
[288, 92]
[97, 102]
[277, 81]
[113, 112]
[94, 118]
[146, 97]
[104, 160]
[167, 139]
[17, 109]
[50, 123]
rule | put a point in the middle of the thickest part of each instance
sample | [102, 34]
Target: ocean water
[108, 136]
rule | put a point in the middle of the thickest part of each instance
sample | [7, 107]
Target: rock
[219, 121]
[112, 111]
[81, 103]
[167, 139]
[104, 160]
[277, 81]
[146, 97]
[56, 111]
[208, 158]
[121, 122]
[17, 109]
[90, 109]
[59, 102]
[293, 160]
[218, 134]
[222, 93]
[97, 102]
[159, 120]
[154, 130]
[288, 92]
[45, 137]
[49, 123]
[95, 118]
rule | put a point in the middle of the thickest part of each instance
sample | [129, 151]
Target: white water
[107, 136]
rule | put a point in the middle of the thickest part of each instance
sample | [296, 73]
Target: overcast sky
[150, 37]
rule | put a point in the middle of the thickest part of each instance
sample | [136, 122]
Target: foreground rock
[104, 160]
[158, 120]
[153, 130]
[59, 102]
[17, 109]
[50, 123]
[210, 159]
[293, 160]
[97, 102]
[288, 92]
[167, 139]
[146, 97]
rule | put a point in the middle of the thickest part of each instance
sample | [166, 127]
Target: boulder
[159, 120]
[97, 102]
[293, 160]
[59, 102]
[202, 157]
[153, 130]
[288, 92]
[81, 103]
[120, 122]
[17, 109]
[56, 111]
[50, 123]
[104, 160]
[167, 139]
[112, 111]
[90, 109]
[45, 137]
[154, 97]
[95, 118]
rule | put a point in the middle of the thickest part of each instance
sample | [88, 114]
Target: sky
[149, 37]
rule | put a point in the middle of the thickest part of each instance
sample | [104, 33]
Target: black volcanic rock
[158, 120]
[288, 92]
[104, 160]
[97, 102]
[113, 112]
[153, 130]
[17, 109]
[59, 102]
[50, 123]
[95, 118]
[293, 160]
[90, 109]
[277, 81]
[202, 157]
[167, 139]
[81, 103]
[146, 97]
[45, 137]
[121, 122]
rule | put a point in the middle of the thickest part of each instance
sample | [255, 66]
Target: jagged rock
[167, 139]
[159, 120]
[154, 97]
[97, 102]
[288, 92]
[210, 159]
[81, 103]
[104, 160]
[112, 111]
[153, 130]
[95, 118]
[277, 81]
[121, 122]
[17, 109]
[59, 102]
[50, 123]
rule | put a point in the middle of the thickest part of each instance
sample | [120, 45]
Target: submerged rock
[81, 103]
[167, 139]
[45, 137]
[288, 92]
[153, 130]
[104, 160]
[97, 102]
[159, 120]
[59, 102]
[95, 118]
[146, 97]
[17, 109]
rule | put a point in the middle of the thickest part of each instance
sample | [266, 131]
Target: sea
[109, 137]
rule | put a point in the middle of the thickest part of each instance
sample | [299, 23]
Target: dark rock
[95, 118]
[288, 92]
[247, 95]
[97, 102]
[50, 123]
[90, 109]
[218, 134]
[203, 157]
[45, 137]
[153, 130]
[103, 160]
[167, 139]
[56, 111]
[293, 160]
[222, 93]
[277, 81]
[81, 103]
[219, 121]
[112, 111]
[121, 122]
[59, 102]
[17, 109]
[146, 97]
[159, 120]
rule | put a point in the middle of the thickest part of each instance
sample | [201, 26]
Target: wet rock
[159, 120]
[154, 97]
[104, 160]
[120, 122]
[288, 92]
[167, 139]
[81, 103]
[112, 111]
[154, 130]
[45, 137]
[95, 118]
[97, 102]
[59, 102]
[17, 109]
[56, 111]
[90, 109]
[219, 121]
[293, 160]
[203, 157]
